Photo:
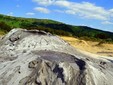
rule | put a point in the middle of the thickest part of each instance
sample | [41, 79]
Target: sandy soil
[89, 46]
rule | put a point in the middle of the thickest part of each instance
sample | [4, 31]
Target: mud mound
[39, 58]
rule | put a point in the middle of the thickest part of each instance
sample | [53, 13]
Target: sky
[93, 13]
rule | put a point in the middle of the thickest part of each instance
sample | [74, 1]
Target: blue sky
[93, 13]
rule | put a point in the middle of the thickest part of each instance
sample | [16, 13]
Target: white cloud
[107, 23]
[42, 10]
[10, 14]
[30, 13]
[44, 2]
[62, 3]
[111, 12]
[84, 9]
[70, 12]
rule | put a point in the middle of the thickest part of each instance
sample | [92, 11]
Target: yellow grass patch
[90, 46]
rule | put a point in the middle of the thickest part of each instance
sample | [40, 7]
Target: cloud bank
[84, 9]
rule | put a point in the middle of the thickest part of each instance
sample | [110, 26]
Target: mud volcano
[38, 58]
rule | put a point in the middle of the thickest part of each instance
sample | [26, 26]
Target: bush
[53, 31]
[4, 27]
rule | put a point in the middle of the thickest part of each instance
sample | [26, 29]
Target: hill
[83, 32]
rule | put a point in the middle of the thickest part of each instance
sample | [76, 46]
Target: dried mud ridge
[38, 58]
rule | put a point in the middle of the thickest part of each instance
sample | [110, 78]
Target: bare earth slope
[39, 58]
[90, 46]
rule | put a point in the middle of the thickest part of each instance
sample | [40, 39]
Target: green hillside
[8, 22]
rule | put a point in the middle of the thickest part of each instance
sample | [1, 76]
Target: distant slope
[84, 32]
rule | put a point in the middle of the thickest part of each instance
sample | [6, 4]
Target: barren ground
[89, 46]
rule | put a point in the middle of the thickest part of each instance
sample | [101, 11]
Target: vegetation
[4, 27]
[83, 32]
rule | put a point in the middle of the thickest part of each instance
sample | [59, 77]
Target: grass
[2, 33]
[90, 46]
